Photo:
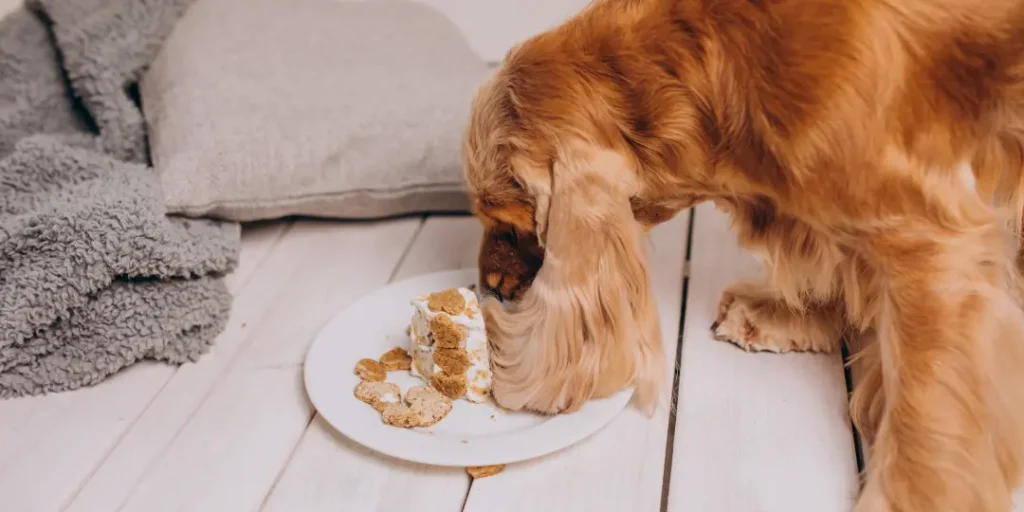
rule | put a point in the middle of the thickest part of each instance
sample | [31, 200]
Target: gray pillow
[259, 109]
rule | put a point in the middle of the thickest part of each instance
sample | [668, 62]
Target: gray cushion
[260, 109]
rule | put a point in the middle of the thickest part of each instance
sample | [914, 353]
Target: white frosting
[389, 397]
[478, 375]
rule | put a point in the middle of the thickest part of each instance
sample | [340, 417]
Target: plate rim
[576, 423]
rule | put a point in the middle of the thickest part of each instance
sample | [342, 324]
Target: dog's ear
[588, 326]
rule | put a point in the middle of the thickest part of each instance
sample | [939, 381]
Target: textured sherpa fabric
[259, 109]
[105, 46]
[94, 275]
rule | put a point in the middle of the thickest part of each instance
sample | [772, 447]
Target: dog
[869, 151]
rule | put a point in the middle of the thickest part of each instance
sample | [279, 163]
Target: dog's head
[562, 243]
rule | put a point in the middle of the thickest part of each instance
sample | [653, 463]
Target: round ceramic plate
[471, 434]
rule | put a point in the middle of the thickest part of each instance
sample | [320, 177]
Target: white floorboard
[328, 470]
[754, 432]
[184, 423]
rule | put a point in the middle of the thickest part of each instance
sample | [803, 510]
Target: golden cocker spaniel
[870, 151]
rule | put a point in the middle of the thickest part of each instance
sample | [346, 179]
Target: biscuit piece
[396, 359]
[452, 360]
[400, 415]
[485, 471]
[378, 394]
[423, 407]
[449, 301]
[451, 386]
[430, 405]
[445, 333]
[368, 369]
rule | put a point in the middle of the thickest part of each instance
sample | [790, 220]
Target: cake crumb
[449, 301]
[370, 370]
[396, 359]
[485, 471]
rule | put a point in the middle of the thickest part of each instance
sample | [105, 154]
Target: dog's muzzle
[508, 262]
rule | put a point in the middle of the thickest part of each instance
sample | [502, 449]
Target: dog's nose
[508, 263]
[504, 286]
[490, 284]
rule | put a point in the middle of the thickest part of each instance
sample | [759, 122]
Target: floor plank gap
[858, 447]
[670, 438]
[408, 248]
[465, 499]
[288, 460]
[81, 485]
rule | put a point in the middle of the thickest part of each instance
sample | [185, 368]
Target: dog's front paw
[738, 324]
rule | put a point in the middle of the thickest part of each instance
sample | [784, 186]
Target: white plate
[471, 434]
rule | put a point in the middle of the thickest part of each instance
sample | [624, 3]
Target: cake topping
[446, 333]
[449, 301]
[452, 360]
[451, 386]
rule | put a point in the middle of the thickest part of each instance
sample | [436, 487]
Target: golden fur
[870, 151]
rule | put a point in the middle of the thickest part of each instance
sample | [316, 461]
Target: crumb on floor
[485, 471]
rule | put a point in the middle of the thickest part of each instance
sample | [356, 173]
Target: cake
[448, 344]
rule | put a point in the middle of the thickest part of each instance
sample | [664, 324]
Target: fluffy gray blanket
[93, 275]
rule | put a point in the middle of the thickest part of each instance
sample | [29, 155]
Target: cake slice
[448, 344]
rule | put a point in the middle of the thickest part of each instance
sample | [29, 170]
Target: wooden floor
[235, 432]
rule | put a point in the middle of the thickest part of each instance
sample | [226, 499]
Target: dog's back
[770, 97]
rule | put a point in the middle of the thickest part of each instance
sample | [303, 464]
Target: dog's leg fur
[753, 316]
[867, 402]
[949, 337]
